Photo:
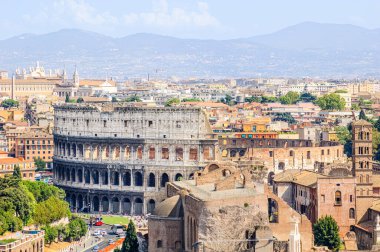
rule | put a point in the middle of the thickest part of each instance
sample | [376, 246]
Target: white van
[117, 229]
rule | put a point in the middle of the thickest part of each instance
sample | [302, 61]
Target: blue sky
[217, 19]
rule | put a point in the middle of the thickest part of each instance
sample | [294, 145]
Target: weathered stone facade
[118, 158]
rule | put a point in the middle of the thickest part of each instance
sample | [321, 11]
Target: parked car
[111, 241]
[96, 233]
[99, 223]
[95, 249]
[103, 232]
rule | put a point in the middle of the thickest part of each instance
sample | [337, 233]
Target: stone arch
[127, 153]
[116, 152]
[224, 153]
[151, 205]
[164, 179]
[241, 153]
[80, 150]
[96, 204]
[138, 179]
[151, 180]
[193, 154]
[191, 176]
[80, 175]
[233, 153]
[68, 174]
[127, 206]
[273, 211]
[115, 205]
[87, 176]
[226, 173]
[80, 202]
[87, 151]
[73, 178]
[138, 206]
[212, 167]
[105, 204]
[115, 178]
[352, 213]
[74, 150]
[179, 154]
[105, 177]
[178, 177]
[95, 177]
[270, 178]
[127, 179]
[73, 201]
[152, 153]
[139, 152]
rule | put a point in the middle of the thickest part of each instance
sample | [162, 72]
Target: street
[104, 240]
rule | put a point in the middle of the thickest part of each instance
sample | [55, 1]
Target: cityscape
[194, 126]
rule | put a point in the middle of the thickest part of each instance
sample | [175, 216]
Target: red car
[98, 223]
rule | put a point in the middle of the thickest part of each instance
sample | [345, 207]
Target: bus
[117, 229]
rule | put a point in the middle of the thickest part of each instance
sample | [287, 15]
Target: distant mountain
[306, 49]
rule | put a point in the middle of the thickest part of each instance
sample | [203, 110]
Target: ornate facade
[117, 158]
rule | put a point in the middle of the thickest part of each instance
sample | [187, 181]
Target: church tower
[362, 167]
[76, 77]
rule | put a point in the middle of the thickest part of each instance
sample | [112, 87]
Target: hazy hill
[311, 49]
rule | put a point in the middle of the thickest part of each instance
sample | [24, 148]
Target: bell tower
[362, 167]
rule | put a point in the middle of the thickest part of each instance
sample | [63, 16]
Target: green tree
[77, 228]
[53, 209]
[326, 233]
[362, 115]
[51, 234]
[9, 103]
[117, 250]
[130, 243]
[285, 117]
[228, 100]
[355, 107]
[133, 98]
[42, 191]
[40, 164]
[331, 102]
[171, 102]
[268, 99]
[67, 99]
[114, 99]
[344, 135]
[191, 100]
[253, 99]
[80, 100]
[290, 98]
[17, 173]
[307, 97]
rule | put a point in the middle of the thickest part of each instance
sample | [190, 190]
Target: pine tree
[67, 98]
[362, 115]
[17, 172]
[130, 243]
[326, 233]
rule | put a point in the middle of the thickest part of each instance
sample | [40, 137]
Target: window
[352, 213]
[159, 244]
[291, 153]
[351, 198]
[308, 155]
[105, 123]
[323, 152]
[338, 198]
[150, 123]
[270, 153]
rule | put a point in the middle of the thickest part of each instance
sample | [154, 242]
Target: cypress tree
[130, 243]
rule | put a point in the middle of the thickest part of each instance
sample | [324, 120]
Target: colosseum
[117, 158]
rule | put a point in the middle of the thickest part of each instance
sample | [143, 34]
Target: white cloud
[163, 16]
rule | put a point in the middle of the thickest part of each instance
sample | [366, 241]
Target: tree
[355, 106]
[285, 117]
[17, 173]
[114, 99]
[191, 100]
[171, 102]
[42, 191]
[290, 98]
[67, 99]
[80, 100]
[326, 233]
[344, 135]
[362, 115]
[53, 209]
[130, 243]
[9, 103]
[77, 228]
[307, 97]
[51, 234]
[228, 100]
[268, 99]
[331, 102]
[40, 164]
[253, 99]
[133, 98]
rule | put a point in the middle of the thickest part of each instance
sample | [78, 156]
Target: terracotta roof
[300, 177]
[10, 160]
[361, 122]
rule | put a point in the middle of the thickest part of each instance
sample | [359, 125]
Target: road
[104, 240]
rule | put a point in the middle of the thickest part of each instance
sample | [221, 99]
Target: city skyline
[191, 19]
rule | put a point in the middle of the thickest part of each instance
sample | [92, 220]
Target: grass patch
[110, 220]
[6, 241]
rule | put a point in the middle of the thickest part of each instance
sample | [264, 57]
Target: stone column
[376, 231]
[132, 177]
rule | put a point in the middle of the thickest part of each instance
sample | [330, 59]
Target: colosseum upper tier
[117, 158]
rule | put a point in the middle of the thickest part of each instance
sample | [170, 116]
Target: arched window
[138, 179]
[164, 179]
[338, 198]
[367, 179]
[352, 213]
[151, 180]
[291, 153]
